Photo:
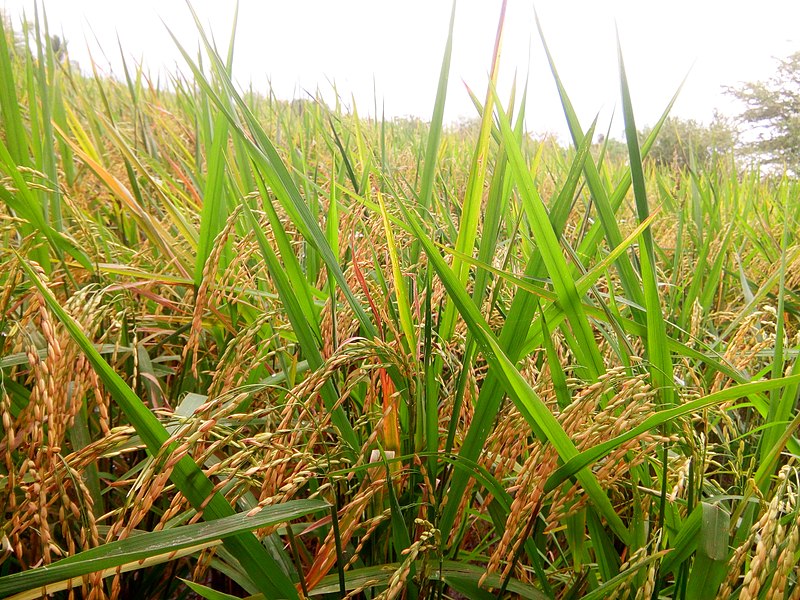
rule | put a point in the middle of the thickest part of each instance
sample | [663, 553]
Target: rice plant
[254, 348]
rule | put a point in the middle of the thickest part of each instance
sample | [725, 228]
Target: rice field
[263, 349]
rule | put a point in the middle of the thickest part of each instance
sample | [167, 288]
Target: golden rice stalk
[201, 304]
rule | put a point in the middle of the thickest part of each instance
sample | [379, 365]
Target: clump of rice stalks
[497, 369]
[598, 413]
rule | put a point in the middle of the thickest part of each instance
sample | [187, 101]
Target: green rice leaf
[151, 544]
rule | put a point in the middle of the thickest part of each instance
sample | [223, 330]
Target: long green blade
[147, 545]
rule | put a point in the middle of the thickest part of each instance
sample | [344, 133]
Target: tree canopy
[686, 142]
[772, 112]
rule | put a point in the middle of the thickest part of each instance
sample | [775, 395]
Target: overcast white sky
[396, 48]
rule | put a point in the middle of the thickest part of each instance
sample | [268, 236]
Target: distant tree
[468, 126]
[59, 47]
[683, 142]
[612, 150]
[20, 43]
[14, 38]
[301, 105]
[772, 112]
